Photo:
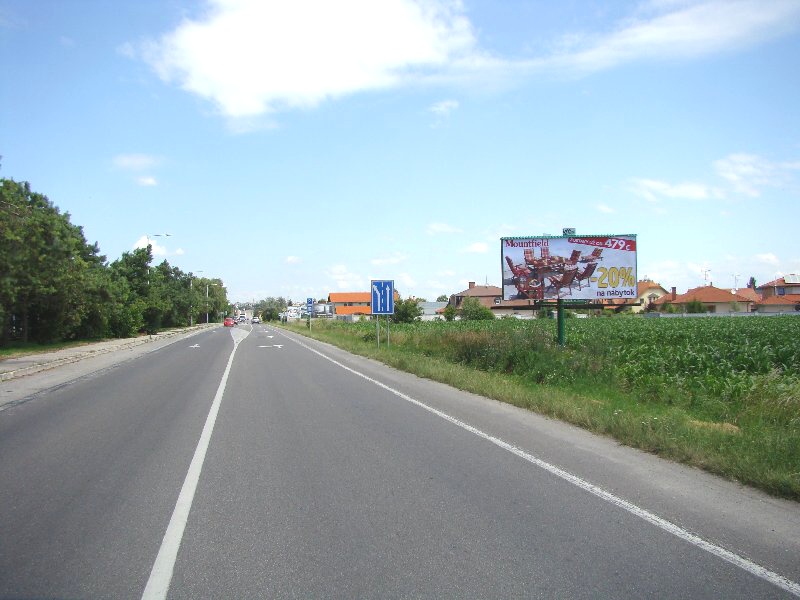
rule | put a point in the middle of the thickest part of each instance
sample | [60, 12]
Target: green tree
[271, 307]
[46, 266]
[473, 310]
[449, 312]
[406, 311]
[54, 285]
[695, 307]
[442, 298]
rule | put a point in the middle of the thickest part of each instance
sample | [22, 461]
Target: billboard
[589, 267]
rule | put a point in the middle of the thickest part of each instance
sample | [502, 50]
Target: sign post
[382, 303]
[309, 308]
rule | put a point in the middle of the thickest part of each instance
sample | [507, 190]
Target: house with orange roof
[714, 300]
[353, 303]
[788, 303]
[788, 285]
[749, 293]
[647, 292]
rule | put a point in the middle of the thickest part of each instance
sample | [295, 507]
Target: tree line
[55, 286]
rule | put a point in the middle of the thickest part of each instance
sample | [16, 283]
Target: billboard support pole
[560, 322]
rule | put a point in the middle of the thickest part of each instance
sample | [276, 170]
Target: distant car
[256, 320]
[242, 318]
[229, 322]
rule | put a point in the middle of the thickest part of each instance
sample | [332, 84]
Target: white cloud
[669, 273]
[293, 260]
[395, 259]
[406, 280]
[345, 280]
[678, 30]
[604, 208]
[477, 248]
[135, 162]
[767, 259]
[654, 190]
[146, 181]
[251, 57]
[138, 164]
[156, 248]
[436, 228]
[444, 108]
[748, 173]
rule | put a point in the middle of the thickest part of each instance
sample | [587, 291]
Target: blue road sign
[382, 296]
[309, 305]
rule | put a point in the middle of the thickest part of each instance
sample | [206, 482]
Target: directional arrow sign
[382, 296]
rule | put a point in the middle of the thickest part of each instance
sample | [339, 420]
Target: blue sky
[300, 148]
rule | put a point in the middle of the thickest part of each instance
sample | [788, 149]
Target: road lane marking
[754, 569]
[161, 574]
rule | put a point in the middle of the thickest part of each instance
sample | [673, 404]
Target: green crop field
[719, 393]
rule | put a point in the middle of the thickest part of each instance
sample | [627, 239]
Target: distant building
[353, 303]
[488, 295]
[350, 303]
[491, 297]
[714, 300]
[431, 311]
[789, 303]
[788, 285]
[647, 292]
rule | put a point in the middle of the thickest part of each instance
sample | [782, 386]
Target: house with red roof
[779, 304]
[488, 295]
[714, 300]
[788, 285]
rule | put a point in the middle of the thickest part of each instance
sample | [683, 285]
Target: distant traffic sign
[382, 296]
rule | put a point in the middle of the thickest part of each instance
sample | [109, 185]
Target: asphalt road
[256, 464]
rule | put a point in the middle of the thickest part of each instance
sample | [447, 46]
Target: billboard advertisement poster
[589, 267]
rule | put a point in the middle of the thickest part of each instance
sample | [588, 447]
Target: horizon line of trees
[55, 286]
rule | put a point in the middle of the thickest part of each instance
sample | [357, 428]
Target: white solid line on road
[161, 573]
[762, 572]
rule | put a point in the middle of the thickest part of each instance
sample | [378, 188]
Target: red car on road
[229, 322]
